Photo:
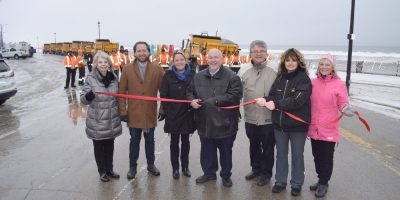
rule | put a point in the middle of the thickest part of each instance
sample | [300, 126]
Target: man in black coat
[211, 89]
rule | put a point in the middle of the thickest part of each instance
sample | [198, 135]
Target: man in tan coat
[143, 78]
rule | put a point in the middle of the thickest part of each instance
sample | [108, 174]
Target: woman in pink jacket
[328, 99]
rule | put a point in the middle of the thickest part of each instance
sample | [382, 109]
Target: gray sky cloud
[286, 22]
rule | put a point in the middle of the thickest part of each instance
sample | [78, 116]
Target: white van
[12, 53]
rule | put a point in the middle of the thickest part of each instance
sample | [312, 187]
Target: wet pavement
[45, 154]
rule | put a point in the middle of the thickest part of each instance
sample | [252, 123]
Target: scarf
[181, 76]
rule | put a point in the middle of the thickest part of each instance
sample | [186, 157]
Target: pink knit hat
[331, 58]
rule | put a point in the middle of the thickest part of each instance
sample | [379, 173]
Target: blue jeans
[209, 158]
[134, 146]
[297, 141]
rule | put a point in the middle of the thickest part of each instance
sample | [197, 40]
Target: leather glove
[348, 111]
[89, 96]
[124, 118]
[161, 116]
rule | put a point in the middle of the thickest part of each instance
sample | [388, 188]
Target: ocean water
[374, 59]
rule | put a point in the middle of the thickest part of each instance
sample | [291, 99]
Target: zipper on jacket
[284, 92]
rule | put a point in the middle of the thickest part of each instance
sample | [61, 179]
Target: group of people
[209, 91]
[73, 63]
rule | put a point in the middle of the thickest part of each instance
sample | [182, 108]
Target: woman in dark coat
[103, 123]
[179, 117]
[290, 92]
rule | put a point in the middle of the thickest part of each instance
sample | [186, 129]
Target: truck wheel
[16, 56]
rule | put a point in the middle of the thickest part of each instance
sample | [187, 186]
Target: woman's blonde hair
[295, 55]
[103, 55]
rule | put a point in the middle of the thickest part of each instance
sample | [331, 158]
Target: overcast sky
[283, 22]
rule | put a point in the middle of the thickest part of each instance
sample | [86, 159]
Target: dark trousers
[134, 146]
[81, 74]
[262, 145]
[323, 159]
[209, 158]
[71, 73]
[90, 67]
[174, 150]
[103, 153]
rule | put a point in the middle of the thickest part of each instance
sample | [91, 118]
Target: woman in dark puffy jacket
[290, 93]
[103, 123]
[179, 117]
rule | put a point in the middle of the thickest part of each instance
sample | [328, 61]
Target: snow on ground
[379, 93]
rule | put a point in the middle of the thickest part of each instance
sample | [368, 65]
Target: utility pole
[351, 37]
[98, 25]
[1, 36]
[55, 37]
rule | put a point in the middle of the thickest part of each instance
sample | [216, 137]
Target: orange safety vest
[236, 59]
[248, 59]
[70, 62]
[81, 61]
[202, 60]
[163, 59]
[115, 62]
[123, 59]
[226, 60]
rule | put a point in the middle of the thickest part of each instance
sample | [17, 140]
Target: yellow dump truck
[87, 46]
[46, 48]
[106, 45]
[195, 43]
[66, 46]
[56, 48]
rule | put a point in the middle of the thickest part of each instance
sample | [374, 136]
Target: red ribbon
[147, 98]
[144, 97]
[362, 120]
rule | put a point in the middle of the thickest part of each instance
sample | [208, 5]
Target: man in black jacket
[211, 89]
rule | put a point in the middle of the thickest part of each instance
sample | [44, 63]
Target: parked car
[12, 53]
[8, 86]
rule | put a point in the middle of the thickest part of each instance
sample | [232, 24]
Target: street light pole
[98, 24]
[351, 37]
[55, 37]
[1, 36]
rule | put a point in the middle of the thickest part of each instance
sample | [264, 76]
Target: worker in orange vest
[70, 64]
[129, 58]
[163, 58]
[236, 61]
[122, 57]
[115, 59]
[81, 67]
[247, 59]
[226, 61]
[202, 60]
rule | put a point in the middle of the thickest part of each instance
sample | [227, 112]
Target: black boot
[186, 172]
[175, 174]
[104, 177]
[132, 173]
[113, 174]
[321, 190]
